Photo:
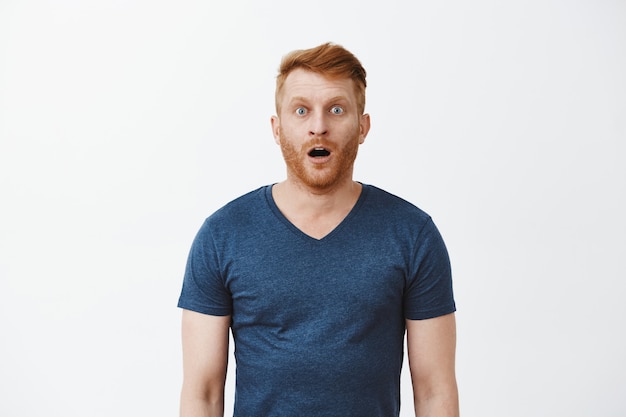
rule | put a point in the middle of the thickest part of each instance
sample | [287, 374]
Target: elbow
[202, 400]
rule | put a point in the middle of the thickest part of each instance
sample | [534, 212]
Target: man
[318, 276]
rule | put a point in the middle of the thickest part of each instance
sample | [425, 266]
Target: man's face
[319, 129]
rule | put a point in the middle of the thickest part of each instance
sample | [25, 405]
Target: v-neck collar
[281, 217]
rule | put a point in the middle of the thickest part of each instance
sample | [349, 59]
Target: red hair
[329, 60]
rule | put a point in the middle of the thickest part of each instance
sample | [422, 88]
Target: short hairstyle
[330, 60]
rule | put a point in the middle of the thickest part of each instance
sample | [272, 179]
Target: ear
[275, 122]
[364, 127]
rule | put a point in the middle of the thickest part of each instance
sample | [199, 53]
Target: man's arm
[431, 347]
[205, 359]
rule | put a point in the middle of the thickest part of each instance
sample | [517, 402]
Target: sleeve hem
[424, 315]
[212, 311]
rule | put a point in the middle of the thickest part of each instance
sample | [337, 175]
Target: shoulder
[388, 216]
[240, 211]
[385, 203]
[241, 205]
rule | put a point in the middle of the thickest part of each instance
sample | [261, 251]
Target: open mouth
[319, 152]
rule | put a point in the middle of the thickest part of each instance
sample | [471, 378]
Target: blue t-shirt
[318, 324]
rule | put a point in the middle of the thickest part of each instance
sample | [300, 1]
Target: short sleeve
[203, 288]
[429, 288]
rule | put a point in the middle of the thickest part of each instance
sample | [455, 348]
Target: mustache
[308, 145]
[317, 142]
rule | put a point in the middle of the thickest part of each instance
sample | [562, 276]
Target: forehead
[311, 85]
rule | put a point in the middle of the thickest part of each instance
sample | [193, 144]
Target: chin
[323, 181]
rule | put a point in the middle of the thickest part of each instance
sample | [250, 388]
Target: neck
[311, 200]
[316, 212]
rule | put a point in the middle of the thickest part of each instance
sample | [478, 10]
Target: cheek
[289, 131]
[351, 129]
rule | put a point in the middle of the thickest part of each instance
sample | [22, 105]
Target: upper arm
[205, 353]
[431, 347]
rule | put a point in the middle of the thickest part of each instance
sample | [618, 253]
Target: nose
[318, 125]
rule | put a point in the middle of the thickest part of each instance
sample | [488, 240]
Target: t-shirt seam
[416, 247]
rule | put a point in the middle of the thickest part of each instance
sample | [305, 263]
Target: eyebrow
[330, 100]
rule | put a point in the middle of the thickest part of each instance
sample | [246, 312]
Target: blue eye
[337, 110]
[300, 111]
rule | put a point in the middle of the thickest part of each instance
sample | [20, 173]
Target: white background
[123, 124]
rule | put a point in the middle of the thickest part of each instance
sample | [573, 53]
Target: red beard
[323, 176]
